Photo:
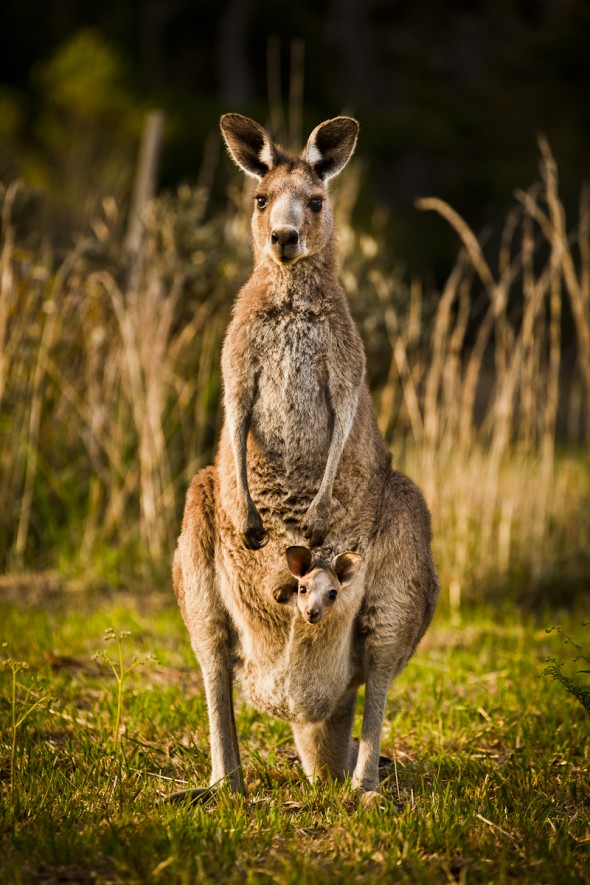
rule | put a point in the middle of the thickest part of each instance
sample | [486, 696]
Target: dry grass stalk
[521, 403]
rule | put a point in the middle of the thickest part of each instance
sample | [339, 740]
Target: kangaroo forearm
[334, 454]
[238, 437]
[343, 421]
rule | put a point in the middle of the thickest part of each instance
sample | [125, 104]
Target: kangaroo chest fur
[291, 420]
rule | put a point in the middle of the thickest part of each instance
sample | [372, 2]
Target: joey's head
[292, 218]
[319, 585]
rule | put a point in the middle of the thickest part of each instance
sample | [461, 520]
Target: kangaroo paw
[254, 535]
[255, 539]
[317, 522]
[315, 531]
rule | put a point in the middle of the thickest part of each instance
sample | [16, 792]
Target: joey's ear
[346, 565]
[330, 146]
[249, 145]
[298, 560]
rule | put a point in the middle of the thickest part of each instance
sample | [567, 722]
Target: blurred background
[464, 226]
[451, 95]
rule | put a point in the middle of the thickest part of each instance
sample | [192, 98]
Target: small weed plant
[121, 671]
[572, 684]
[24, 700]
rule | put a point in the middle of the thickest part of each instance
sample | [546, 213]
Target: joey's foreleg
[249, 523]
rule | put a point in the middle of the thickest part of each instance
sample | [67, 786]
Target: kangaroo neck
[306, 282]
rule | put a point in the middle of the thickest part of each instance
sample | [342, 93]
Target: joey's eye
[332, 594]
[261, 202]
[315, 204]
[303, 590]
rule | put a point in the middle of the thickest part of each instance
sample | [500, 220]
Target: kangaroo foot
[372, 799]
[198, 796]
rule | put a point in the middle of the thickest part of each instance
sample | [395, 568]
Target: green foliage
[85, 78]
[571, 684]
[87, 130]
[10, 114]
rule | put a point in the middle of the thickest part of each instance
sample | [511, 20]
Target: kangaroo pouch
[303, 685]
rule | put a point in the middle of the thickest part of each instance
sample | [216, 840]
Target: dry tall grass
[109, 381]
[479, 391]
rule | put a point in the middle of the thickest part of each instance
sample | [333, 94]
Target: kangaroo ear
[249, 145]
[346, 565]
[298, 560]
[330, 146]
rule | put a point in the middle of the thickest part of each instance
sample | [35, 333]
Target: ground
[488, 782]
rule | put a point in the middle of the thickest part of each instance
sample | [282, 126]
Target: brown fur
[300, 455]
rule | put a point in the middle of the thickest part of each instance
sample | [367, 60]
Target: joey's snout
[285, 243]
[318, 587]
[312, 615]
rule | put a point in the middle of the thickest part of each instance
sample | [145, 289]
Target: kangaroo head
[292, 217]
[318, 585]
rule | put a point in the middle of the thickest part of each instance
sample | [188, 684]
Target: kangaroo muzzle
[285, 244]
[313, 615]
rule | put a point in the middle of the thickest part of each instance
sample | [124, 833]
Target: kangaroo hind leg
[325, 748]
[208, 625]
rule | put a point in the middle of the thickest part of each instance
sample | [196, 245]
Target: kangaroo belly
[298, 680]
[272, 688]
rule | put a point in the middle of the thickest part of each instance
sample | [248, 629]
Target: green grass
[490, 781]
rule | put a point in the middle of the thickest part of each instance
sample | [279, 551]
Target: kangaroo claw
[255, 539]
[315, 531]
[253, 533]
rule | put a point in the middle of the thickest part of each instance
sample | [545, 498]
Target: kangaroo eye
[261, 202]
[332, 594]
[303, 590]
[315, 204]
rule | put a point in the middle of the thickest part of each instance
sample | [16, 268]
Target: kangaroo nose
[284, 236]
[285, 244]
[314, 615]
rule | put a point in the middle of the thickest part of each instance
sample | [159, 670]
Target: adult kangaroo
[300, 456]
